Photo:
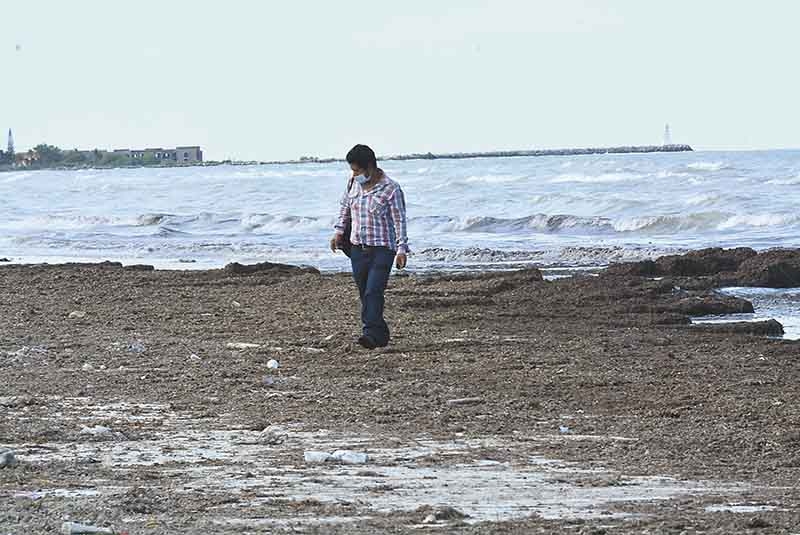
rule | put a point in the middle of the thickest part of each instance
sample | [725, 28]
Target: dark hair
[362, 156]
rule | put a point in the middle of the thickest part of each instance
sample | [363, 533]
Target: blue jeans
[371, 268]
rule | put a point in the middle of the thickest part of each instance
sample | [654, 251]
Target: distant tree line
[47, 156]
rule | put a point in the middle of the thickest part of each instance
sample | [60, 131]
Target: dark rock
[772, 269]
[758, 523]
[712, 305]
[759, 328]
[139, 267]
[107, 264]
[645, 268]
[704, 262]
[245, 269]
[5, 260]
[7, 458]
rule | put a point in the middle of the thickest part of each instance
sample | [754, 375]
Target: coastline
[633, 149]
[604, 373]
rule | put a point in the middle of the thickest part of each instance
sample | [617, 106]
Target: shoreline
[580, 396]
[595, 390]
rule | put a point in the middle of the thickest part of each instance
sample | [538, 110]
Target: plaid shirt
[378, 216]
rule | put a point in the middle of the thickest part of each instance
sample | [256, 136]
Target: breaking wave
[700, 221]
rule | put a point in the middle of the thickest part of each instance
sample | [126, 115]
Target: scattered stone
[7, 458]
[268, 380]
[330, 337]
[564, 430]
[194, 357]
[316, 457]
[313, 350]
[464, 401]
[77, 314]
[5, 260]
[273, 435]
[758, 523]
[236, 304]
[242, 345]
[273, 364]
[443, 513]
[88, 367]
[137, 347]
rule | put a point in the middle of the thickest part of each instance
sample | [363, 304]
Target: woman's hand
[335, 241]
[401, 260]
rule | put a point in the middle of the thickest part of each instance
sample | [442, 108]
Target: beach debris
[330, 337]
[444, 513]
[74, 528]
[7, 458]
[563, 429]
[16, 401]
[97, 430]
[273, 435]
[315, 457]
[273, 364]
[268, 380]
[242, 345]
[25, 351]
[186, 260]
[313, 350]
[236, 304]
[340, 456]
[77, 314]
[88, 367]
[194, 356]
[464, 401]
[349, 457]
[137, 346]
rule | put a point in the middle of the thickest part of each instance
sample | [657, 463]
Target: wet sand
[143, 401]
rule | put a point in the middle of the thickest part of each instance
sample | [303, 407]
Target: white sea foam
[706, 166]
[595, 179]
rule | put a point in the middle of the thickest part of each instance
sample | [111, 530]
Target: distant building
[189, 154]
[26, 159]
[180, 154]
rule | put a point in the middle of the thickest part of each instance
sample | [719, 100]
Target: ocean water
[555, 212]
[782, 304]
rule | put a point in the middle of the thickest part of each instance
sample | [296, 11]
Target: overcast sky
[281, 79]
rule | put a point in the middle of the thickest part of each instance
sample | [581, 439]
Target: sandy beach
[144, 401]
